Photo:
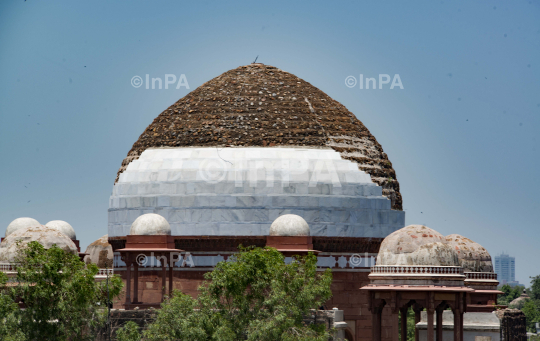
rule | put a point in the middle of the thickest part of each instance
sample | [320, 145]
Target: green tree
[411, 326]
[509, 294]
[534, 290]
[256, 296]
[62, 299]
[9, 323]
[129, 332]
[531, 310]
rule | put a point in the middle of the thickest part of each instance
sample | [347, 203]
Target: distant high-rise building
[505, 267]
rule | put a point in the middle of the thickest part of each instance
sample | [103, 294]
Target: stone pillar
[461, 325]
[171, 267]
[404, 323]
[457, 325]
[163, 279]
[376, 316]
[458, 317]
[128, 280]
[439, 331]
[430, 311]
[417, 316]
[430, 331]
[463, 308]
[135, 282]
[395, 324]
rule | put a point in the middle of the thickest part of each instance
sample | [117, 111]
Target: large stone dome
[473, 257]
[249, 146]
[261, 105]
[46, 236]
[416, 245]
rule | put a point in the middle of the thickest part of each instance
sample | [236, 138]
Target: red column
[128, 280]
[458, 318]
[430, 311]
[461, 325]
[430, 331]
[417, 317]
[439, 332]
[457, 326]
[404, 323]
[163, 279]
[136, 282]
[376, 324]
[395, 324]
[171, 267]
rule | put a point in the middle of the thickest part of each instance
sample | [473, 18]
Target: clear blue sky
[462, 134]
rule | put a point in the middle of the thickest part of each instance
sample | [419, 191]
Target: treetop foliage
[254, 296]
[62, 300]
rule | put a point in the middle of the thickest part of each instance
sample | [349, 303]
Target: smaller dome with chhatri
[21, 223]
[63, 227]
[289, 225]
[519, 302]
[416, 245]
[150, 224]
[473, 257]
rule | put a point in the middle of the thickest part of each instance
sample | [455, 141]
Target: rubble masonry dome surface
[100, 252]
[473, 257]
[260, 105]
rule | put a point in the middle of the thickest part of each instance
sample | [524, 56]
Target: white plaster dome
[473, 257]
[46, 236]
[416, 245]
[63, 227]
[289, 225]
[240, 191]
[20, 223]
[149, 225]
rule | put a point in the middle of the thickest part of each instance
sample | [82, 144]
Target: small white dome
[63, 227]
[149, 225]
[289, 225]
[46, 236]
[20, 223]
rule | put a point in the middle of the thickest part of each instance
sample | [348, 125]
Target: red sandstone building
[251, 145]
[245, 148]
